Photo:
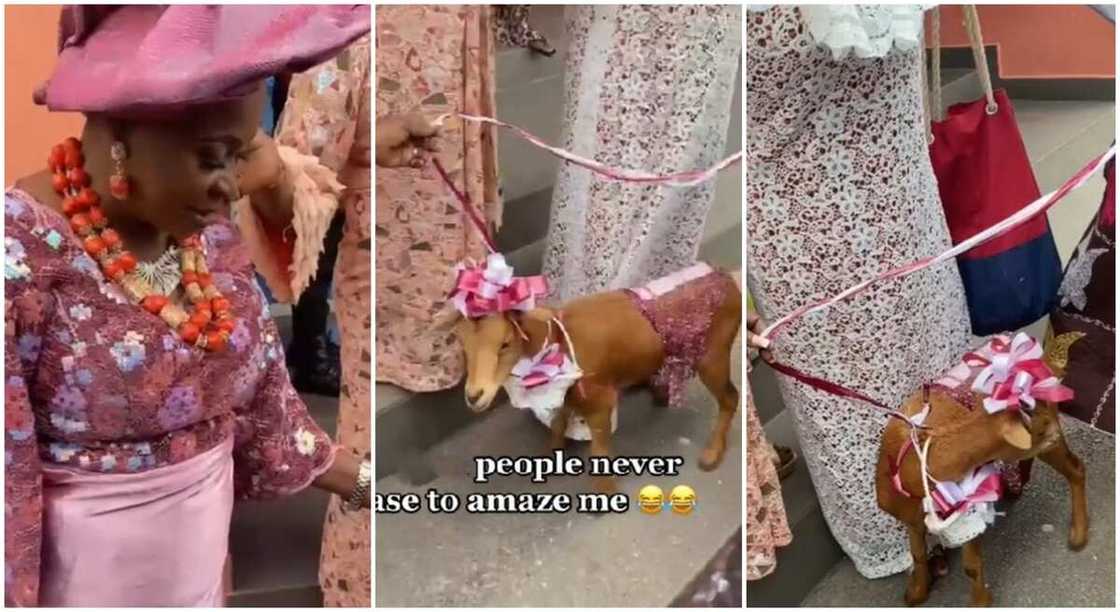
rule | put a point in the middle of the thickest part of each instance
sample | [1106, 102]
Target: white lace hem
[863, 31]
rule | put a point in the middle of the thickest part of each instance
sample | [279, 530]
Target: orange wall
[30, 38]
[1040, 41]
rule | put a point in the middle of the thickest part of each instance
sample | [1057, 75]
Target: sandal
[785, 461]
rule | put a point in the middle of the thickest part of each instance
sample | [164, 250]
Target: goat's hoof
[916, 599]
[1078, 538]
[984, 600]
[710, 459]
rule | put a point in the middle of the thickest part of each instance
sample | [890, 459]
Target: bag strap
[976, 40]
[936, 108]
[938, 111]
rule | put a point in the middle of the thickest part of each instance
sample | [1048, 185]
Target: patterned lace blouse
[96, 383]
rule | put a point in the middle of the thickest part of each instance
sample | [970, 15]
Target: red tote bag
[984, 175]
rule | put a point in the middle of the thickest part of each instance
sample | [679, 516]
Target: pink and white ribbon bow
[982, 485]
[492, 288]
[544, 367]
[1015, 374]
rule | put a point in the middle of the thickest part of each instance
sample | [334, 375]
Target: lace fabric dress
[437, 58]
[327, 116]
[650, 88]
[839, 187]
[98, 385]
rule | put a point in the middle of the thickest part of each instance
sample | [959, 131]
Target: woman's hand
[342, 476]
[402, 138]
[263, 178]
[755, 326]
[261, 168]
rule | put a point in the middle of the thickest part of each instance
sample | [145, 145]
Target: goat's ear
[1015, 433]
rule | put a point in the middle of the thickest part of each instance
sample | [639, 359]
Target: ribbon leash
[1025, 214]
[841, 391]
[688, 178]
[467, 207]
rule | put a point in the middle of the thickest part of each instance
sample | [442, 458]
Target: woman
[432, 58]
[146, 384]
[841, 186]
[650, 88]
[324, 130]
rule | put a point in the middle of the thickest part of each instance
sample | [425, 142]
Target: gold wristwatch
[359, 499]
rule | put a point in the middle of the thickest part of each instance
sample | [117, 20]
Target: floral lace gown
[650, 88]
[839, 187]
[327, 115]
[437, 58]
[96, 383]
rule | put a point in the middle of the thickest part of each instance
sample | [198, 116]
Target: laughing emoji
[650, 499]
[682, 500]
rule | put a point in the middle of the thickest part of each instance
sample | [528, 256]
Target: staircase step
[1027, 562]
[570, 559]
[813, 551]
[531, 94]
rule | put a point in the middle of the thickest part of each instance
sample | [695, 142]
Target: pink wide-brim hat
[157, 58]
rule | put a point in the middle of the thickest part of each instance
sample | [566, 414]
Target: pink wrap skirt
[154, 538]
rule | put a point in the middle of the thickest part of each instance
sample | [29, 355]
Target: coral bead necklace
[208, 324]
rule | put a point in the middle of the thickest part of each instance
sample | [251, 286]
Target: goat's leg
[560, 426]
[715, 373]
[974, 568]
[917, 589]
[597, 410]
[1062, 459]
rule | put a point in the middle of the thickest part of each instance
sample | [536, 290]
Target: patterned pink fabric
[681, 318]
[767, 523]
[98, 384]
[145, 58]
[327, 115]
[438, 58]
[95, 523]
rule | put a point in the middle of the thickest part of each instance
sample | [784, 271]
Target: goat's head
[1019, 440]
[1013, 432]
[492, 345]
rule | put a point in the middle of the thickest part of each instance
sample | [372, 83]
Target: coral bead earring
[119, 186]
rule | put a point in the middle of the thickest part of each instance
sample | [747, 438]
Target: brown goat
[964, 437]
[617, 347]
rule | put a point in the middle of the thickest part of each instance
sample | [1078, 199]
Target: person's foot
[316, 369]
[785, 460]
